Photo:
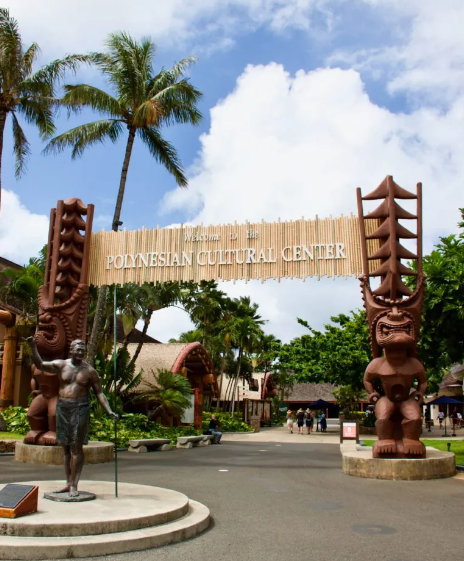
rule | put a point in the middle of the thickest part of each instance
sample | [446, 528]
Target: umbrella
[444, 400]
[319, 404]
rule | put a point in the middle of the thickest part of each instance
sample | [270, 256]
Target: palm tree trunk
[99, 312]
[122, 183]
[146, 323]
[239, 367]
[2, 130]
[223, 361]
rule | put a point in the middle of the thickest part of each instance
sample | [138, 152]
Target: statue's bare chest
[75, 375]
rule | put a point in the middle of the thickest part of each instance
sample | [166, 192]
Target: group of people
[305, 418]
[455, 418]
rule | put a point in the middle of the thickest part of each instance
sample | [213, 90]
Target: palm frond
[84, 136]
[20, 147]
[37, 111]
[28, 59]
[164, 152]
[56, 70]
[10, 50]
[166, 78]
[83, 95]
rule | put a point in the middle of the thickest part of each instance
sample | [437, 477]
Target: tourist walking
[300, 420]
[309, 421]
[290, 421]
[323, 423]
[440, 418]
[213, 429]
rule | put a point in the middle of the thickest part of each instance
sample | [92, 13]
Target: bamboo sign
[266, 250]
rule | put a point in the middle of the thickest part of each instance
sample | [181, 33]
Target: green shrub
[133, 426]
[16, 419]
[228, 423]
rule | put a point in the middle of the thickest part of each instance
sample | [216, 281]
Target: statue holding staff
[76, 377]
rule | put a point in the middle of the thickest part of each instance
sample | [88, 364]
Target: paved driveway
[281, 501]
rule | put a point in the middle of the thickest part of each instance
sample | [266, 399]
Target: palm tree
[171, 394]
[245, 332]
[142, 103]
[24, 92]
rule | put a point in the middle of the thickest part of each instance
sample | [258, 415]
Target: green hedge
[228, 422]
[130, 426]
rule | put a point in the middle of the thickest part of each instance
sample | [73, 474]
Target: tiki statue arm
[369, 377]
[422, 379]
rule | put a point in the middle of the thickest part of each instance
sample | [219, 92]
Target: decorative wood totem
[63, 300]
[393, 315]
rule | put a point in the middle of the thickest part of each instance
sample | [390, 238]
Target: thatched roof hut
[189, 359]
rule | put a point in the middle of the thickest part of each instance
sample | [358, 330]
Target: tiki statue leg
[386, 444]
[37, 417]
[411, 424]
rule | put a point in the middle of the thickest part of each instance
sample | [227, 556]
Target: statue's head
[395, 329]
[78, 349]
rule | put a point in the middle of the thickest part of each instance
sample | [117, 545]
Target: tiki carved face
[395, 329]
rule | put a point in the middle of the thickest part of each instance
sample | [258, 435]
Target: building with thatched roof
[451, 385]
[189, 359]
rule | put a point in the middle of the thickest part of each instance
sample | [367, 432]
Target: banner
[266, 250]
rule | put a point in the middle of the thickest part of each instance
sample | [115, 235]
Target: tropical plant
[25, 92]
[126, 379]
[170, 395]
[143, 102]
[19, 287]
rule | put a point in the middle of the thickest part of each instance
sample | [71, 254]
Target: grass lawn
[457, 446]
[11, 436]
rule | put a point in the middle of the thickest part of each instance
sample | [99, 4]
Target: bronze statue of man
[76, 377]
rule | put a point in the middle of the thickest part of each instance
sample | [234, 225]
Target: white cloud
[285, 146]
[427, 59]
[22, 233]
[168, 323]
[76, 26]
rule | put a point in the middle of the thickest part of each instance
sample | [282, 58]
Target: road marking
[223, 470]
[263, 450]
[278, 444]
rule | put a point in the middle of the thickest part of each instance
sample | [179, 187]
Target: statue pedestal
[358, 461]
[94, 453]
[142, 517]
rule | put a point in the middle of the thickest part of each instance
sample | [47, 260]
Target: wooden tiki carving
[63, 300]
[393, 314]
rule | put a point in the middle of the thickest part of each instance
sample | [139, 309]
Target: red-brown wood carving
[63, 300]
[393, 314]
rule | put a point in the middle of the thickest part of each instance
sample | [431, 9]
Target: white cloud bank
[22, 233]
[286, 146]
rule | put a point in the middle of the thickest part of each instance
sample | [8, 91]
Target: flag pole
[114, 398]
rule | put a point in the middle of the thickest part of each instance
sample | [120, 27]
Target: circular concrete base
[436, 465]
[94, 453]
[141, 517]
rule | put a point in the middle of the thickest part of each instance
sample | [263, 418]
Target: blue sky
[304, 100]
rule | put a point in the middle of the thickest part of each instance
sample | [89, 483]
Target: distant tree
[338, 355]
[442, 331]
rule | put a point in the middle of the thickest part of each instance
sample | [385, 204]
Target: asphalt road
[288, 501]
